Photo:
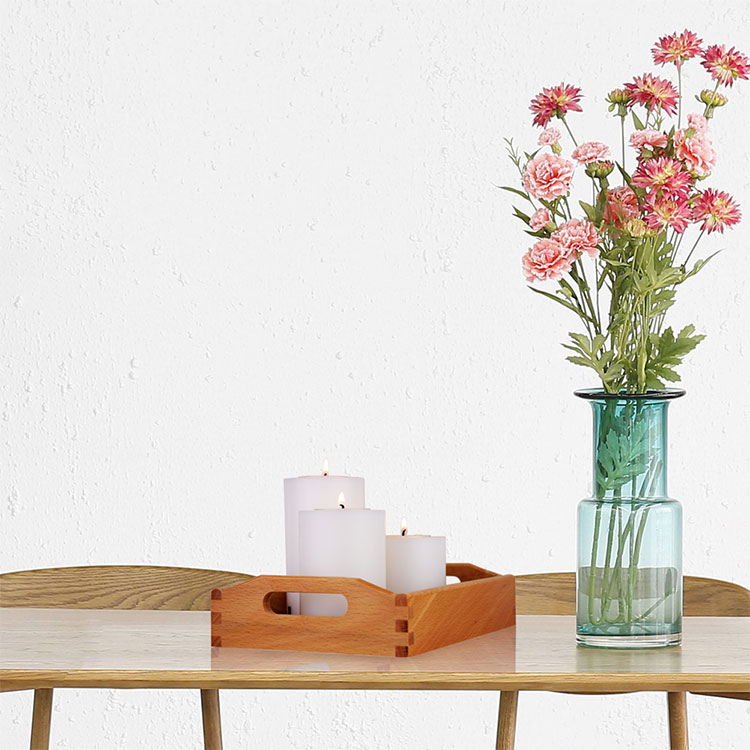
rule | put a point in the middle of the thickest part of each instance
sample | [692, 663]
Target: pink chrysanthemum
[548, 176]
[725, 65]
[555, 101]
[622, 205]
[578, 236]
[547, 259]
[665, 176]
[549, 136]
[540, 218]
[676, 48]
[591, 151]
[696, 152]
[717, 210]
[653, 93]
[649, 138]
[663, 212]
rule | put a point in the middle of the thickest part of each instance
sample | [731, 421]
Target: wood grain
[211, 720]
[142, 649]
[41, 719]
[121, 587]
[482, 603]
[115, 587]
[678, 729]
[377, 621]
[709, 597]
[242, 617]
[555, 594]
[506, 720]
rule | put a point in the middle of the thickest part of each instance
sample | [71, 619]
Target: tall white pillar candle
[343, 542]
[308, 493]
[414, 562]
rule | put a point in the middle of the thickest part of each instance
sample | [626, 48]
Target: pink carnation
[578, 236]
[549, 136]
[697, 153]
[622, 205]
[547, 259]
[540, 218]
[697, 122]
[548, 176]
[648, 139]
[591, 151]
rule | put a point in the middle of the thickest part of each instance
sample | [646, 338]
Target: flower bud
[556, 148]
[618, 96]
[636, 227]
[599, 168]
[712, 98]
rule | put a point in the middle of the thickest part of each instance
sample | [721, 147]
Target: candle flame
[404, 527]
[342, 500]
[325, 468]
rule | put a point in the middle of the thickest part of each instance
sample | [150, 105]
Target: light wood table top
[158, 649]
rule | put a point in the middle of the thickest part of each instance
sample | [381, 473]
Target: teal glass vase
[629, 574]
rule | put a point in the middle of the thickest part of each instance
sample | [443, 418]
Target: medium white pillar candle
[414, 562]
[343, 542]
[308, 493]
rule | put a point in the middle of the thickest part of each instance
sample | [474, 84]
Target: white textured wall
[243, 236]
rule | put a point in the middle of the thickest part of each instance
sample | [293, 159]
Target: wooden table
[53, 648]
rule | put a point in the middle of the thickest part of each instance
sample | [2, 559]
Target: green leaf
[590, 212]
[636, 121]
[582, 340]
[521, 215]
[699, 264]
[560, 300]
[625, 176]
[581, 361]
[516, 191]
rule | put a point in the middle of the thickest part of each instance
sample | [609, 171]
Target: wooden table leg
[211, 719]
[506, 720]
[41, 719]
[678, 729]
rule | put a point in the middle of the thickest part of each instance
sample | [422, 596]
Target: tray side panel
[242, 617]
[441, 616]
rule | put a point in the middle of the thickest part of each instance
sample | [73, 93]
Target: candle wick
[341, 505]
[403, 532]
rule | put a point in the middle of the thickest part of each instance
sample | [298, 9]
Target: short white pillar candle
[343, 542]
[414, 562]
[308, 493]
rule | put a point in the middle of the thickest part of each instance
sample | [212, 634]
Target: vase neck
[630, 448]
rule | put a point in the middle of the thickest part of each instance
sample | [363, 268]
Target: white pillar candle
[308, 493]
[343, 542]
[414, 562]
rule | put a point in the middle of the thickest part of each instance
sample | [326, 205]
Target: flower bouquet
[616, 261]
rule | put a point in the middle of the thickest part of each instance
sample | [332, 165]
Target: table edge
[21, 679]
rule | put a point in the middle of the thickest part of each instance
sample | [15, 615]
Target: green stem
[664, 598]
[592, 566]
[570, 133]
[693, 247]
[613, 510]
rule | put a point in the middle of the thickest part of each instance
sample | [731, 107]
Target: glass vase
[629, 575]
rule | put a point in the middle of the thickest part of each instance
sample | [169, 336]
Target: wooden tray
[253, 614]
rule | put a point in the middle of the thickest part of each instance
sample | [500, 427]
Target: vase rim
[598, 394]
